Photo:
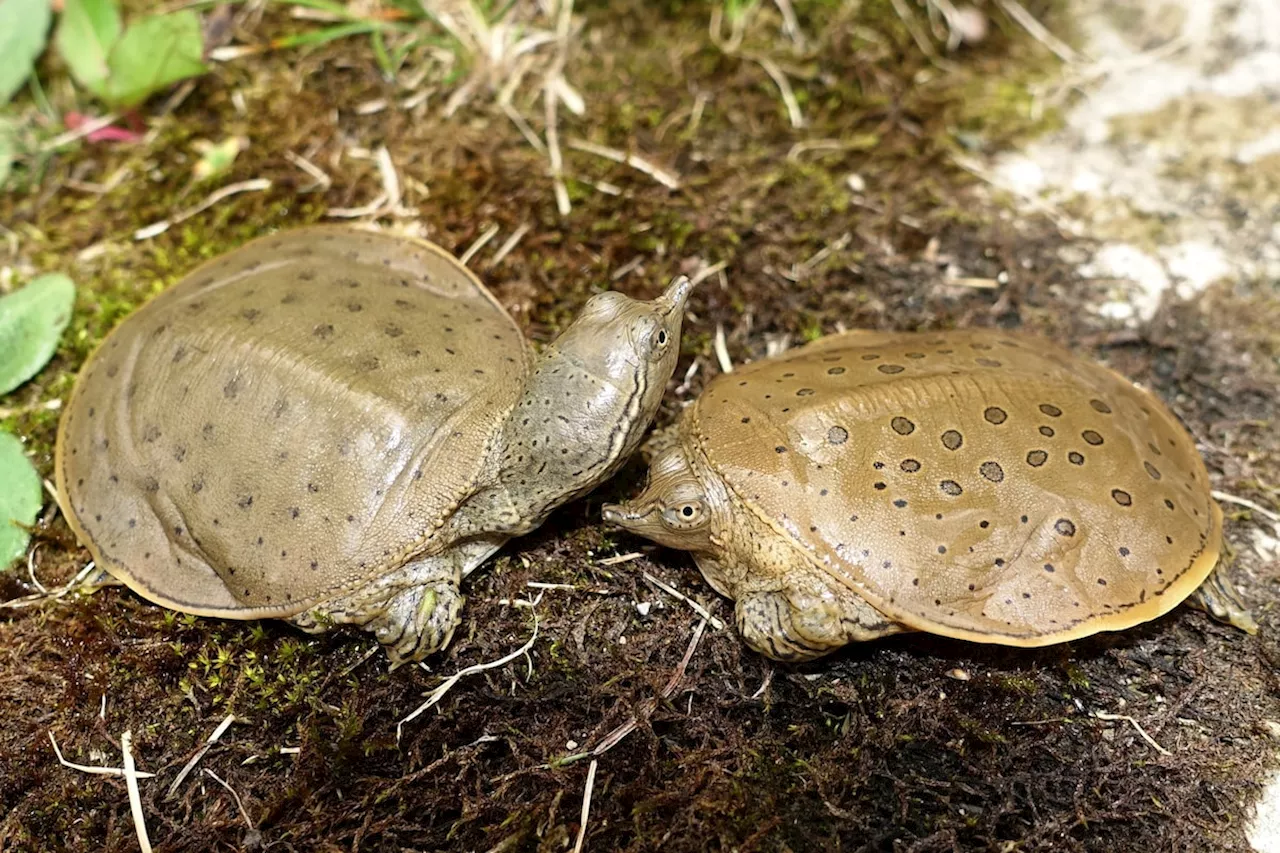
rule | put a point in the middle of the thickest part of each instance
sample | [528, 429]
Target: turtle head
[629, 349]
[675, 509]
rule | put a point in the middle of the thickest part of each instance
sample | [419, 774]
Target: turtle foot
[794, 625]
[1218, 597]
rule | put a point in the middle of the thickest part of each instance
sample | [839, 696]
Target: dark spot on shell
[179, 453]
[354, 307]
[995, 415]
[999, 561]
[1023, 519]
[880, 487]
[294, 512]
[902, 426]
[890, 368]
[915, 355]
[748, 420]
[987, 362]
[323, 331]
[206, 432]
[1100, 407]
[232, 389]
[112, 371]
[984, 524]
[951, 440]
[870, 357]
[151, 434]
[835, 371]
[245, 502]
[1050, 410]
[900, 503]
[133, 522]
[1091, 437]
[1121, 497]
[250, 314]
[992, 471]
[1065, 527]
[942, 549]
[779, 449]
[1152, 470]
[1168, 503]
[1046, 431]
[804, 392]
[179, 353]
[1075, 458]
[910, 466]
[1124, 552]
[1102, 581]
[1036, 458]
[950, 487]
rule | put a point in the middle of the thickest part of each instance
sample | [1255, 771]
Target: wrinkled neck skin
[568, 433]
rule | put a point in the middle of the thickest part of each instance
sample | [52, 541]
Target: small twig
[721, 348]
[509, 244]
[1102, 715]
[662, 176]
[373, 650]
[195, 759]
[693, 605]
[489, 234]
[439, 692]
[550, 101]
[256, 185]
[706, 272]
[627, 268]
[1245, 502]
[764, 685]
[239, 805]
[135, 797]
[617, 559]
[544, 585]
[55, 594]
[322, 179]
[91, 126]
[586, 806]
[790, 25]
[91, 768]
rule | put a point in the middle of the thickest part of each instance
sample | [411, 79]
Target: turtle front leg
[807, 619]
[1218, 597]
[413, 614]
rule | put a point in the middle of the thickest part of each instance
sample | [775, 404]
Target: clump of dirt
[913, 743]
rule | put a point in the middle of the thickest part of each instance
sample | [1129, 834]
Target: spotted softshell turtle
[334, 426]
[973, 484]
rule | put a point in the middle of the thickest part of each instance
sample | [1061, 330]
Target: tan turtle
[978, 485]
[336, 426]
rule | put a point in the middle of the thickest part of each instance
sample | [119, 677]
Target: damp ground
[865, 217]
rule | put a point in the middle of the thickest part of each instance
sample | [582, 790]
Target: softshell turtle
[975, 484]
[336, 426]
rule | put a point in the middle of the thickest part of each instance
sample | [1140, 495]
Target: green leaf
[21, 497]
[24, 27]
[86, 32]
[31, 321]
[153, 53]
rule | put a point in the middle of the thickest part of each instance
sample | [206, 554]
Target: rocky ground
[832, 166]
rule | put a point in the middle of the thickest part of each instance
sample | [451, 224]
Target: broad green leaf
[24, 27]
[153, 53]
[21, 497]
[31, 321]
[86, 32]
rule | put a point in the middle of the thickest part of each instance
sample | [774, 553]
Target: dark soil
[910, 744]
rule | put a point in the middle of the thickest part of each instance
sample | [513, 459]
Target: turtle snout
[622, 515]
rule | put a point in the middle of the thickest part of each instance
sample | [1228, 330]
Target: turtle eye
[684, 515]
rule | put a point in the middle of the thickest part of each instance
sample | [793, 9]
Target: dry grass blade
[1248, 504]
[76, 584]
[721, 347]
[480, 242]
[586, 806]
[439, 693]
[131, 777]
[255, 185]
[239, 805]
[90, 768]
[195, 759]
[1028, 22]
[668, 179]
[784, 88]
[1125, 718]
[693, 605]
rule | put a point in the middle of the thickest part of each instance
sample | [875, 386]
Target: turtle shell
[287, 423]
[978, 484]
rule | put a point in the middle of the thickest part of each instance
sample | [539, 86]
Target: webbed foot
[796, 625]
[1218, 597]
[413, 613]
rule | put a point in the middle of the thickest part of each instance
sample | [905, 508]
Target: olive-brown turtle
[973, 484]
[334, 426]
